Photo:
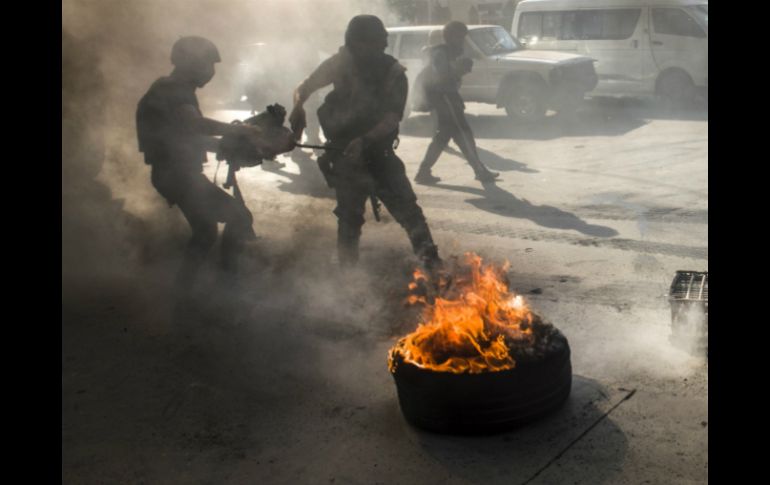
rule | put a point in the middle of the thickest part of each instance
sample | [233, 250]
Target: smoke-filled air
[384, 241]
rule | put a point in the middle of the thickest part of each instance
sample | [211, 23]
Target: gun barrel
[319, 147]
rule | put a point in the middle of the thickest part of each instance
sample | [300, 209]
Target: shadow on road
[309, 181]
[521, 454]
[495, 161]
[501, 202]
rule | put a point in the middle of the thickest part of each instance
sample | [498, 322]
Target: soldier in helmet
[360, 120]
[174, 137]
[446, 68]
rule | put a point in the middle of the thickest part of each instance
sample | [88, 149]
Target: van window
[619, 24]
[570, 28]
[673, 21]
[590, 24]
[551, 25]
[609, 24]
[412, 44]
[531, 25]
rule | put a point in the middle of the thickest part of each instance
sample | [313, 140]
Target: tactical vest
[162, 138]
[357, 102]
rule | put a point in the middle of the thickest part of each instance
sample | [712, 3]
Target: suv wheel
[525, 101]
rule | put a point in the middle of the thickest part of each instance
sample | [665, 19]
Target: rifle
[241, 151]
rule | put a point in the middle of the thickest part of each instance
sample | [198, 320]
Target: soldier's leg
[351, 203]
[395, 191]
[216, 205]
[238, 230]
[463, 137]
[204, 235]
[238, 226]
[444, 129]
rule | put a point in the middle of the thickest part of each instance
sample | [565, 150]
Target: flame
[470, 326]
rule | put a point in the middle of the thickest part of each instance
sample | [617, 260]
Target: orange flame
[468, 328]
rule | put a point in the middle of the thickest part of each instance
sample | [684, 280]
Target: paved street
[285, 380]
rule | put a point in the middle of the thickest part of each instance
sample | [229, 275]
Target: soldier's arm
[321, 77]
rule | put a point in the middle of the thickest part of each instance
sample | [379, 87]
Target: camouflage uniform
[362, 95]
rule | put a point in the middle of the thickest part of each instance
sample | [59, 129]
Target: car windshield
[494, 41]
[701, 12]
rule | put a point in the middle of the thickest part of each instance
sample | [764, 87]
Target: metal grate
[690, 286]
[689, 298]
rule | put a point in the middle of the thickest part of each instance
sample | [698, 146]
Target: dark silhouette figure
[360, 120]
[174, 137]
[441, 80]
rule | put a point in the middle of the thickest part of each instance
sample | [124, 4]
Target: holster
[325, 165]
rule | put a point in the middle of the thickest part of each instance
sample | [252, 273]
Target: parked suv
[523, 81]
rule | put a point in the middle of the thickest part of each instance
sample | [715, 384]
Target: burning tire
[481, 361]
[487, 402]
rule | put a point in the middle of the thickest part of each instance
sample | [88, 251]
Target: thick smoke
[112, 52]
[113, 220]
[114, 223]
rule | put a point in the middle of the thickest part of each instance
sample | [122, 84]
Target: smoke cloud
[115, 223]
[111, 52]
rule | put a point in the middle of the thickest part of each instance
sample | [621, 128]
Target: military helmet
[365, 28]
[455, 27]
[192, 51]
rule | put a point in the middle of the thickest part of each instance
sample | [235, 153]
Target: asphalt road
[284, 379]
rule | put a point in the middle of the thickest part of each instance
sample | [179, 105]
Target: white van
[642, 47]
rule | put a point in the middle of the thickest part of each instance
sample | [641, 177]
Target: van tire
[675, 89]
[525, 101]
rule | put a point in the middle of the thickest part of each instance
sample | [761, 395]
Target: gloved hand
[297, 121]
[354, 149]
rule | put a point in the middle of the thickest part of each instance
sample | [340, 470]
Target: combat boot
[426, 178]
[487, 176]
